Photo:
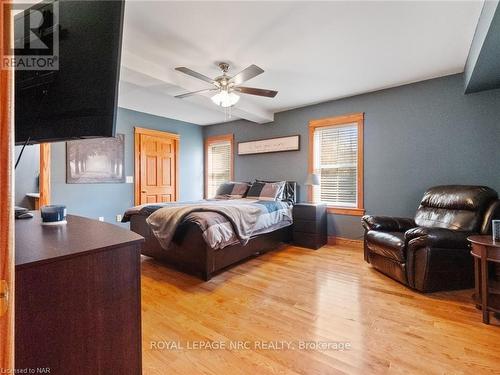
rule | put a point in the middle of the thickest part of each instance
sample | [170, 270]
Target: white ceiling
[311, 51]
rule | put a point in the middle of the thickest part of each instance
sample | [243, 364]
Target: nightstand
[309, 225]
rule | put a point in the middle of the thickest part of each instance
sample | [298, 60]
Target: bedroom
[409, 91]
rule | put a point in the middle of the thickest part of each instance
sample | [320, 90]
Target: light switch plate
[101, 218]
[118, 218]
[129, 179]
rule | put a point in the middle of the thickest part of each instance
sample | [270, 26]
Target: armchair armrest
[387, 223]
[436, 237]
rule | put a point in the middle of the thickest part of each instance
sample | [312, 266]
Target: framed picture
[262, 146]
[95, 161]
[496, 230]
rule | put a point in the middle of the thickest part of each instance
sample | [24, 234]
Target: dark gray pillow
[266, 191]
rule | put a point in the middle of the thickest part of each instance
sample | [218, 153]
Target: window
[336, 156]
[218, 162]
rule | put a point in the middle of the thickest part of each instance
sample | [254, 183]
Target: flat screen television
[78, 99]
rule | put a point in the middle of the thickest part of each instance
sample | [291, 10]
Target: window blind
[335, 160]
[218, 165]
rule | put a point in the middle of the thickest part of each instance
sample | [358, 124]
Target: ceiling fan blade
[194, 74]
[193, 93]
[246, 74]
[254, 91]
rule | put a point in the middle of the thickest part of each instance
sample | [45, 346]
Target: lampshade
[312, 179]
[225, 98]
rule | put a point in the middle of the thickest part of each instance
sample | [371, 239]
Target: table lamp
[312, 180]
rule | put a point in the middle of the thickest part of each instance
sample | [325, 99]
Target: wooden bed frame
[189, 253]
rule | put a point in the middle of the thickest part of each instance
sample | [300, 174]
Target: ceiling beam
[173, 83]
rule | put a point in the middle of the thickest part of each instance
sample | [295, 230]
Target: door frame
[44, 179]
[138, 131]
[7, 267]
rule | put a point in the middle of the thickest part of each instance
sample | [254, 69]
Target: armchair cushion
[437, 237]
[455, 207]
[387, 223]
[388, 244]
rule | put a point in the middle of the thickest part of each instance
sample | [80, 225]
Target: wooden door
[6, 209]
[156, 161]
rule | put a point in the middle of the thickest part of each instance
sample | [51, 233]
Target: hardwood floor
[295, 295]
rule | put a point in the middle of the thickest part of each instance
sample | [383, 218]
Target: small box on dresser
[310, 225]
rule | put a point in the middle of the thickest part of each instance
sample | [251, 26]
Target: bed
[189, 252]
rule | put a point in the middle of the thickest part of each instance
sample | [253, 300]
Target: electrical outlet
[129, 179]
[118, 218]
[101, 218]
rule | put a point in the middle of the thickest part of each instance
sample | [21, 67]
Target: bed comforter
[223, 222]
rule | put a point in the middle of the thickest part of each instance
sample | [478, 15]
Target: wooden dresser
[78, 305]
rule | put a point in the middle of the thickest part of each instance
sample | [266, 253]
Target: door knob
[4, 297]
[143, 191]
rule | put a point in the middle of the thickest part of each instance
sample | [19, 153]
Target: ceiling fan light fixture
[225, 99]
[226, 85]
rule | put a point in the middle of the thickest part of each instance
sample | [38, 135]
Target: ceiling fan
[226, 85]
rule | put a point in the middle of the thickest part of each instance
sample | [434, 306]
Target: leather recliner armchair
[431, 251]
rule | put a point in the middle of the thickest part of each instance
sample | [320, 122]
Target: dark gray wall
[108, 200]
[26, 175]
[416, 136]
[482, 69]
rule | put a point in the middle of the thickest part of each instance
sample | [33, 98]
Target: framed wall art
[262, 146]
[94, 161]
